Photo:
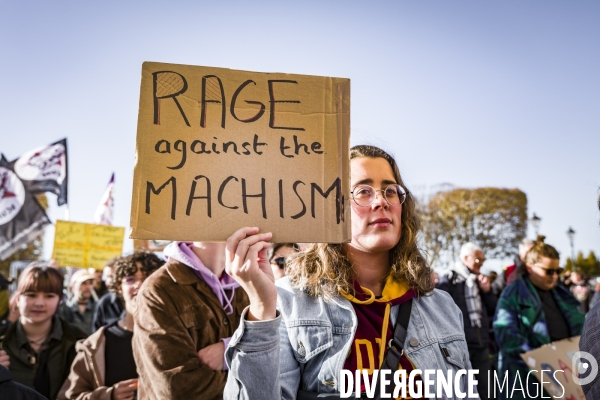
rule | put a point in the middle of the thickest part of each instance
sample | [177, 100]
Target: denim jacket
[306, 345]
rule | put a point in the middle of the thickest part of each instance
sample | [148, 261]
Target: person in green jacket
[531, 312]
[39, 347]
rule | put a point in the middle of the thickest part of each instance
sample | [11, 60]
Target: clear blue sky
[473, 93]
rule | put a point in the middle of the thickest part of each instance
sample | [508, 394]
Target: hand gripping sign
[561, 368]
[218, 149]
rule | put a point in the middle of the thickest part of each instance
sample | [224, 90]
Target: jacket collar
[55, 334]
[93, 342]
[181, 273]
[560, 294]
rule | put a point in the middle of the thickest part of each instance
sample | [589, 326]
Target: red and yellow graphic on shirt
[375, 328]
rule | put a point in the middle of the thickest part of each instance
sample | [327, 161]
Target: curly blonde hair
[324, 269]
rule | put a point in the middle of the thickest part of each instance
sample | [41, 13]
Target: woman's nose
[379, 200]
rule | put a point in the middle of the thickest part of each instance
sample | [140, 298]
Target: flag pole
[69, 269]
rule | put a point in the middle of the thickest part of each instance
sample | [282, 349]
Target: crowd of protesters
[248, 319]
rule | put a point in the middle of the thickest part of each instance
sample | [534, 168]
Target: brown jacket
[177, 315]
[86, 379]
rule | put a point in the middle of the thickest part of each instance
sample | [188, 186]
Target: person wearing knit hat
[79, 309]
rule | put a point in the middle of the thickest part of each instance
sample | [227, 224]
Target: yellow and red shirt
[375, 327]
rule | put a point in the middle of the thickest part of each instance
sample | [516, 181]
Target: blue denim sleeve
[261, 361]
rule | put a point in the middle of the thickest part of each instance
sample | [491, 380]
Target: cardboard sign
[219, 149]
[86, 245]
[554, 357]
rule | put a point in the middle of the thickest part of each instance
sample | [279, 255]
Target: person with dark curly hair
[104, 366]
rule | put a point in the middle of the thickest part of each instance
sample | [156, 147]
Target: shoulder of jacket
[438, 300]
[165, 277]
[448, 277]
[439, 306]
[448, 274]
[516, 291]
[437, 295]
[290, 298]
[22, 391]
[91, 344]
[286, 291]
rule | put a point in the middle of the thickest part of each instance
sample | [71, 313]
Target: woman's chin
[374, 245]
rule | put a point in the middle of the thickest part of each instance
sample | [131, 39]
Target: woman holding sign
[361, 306]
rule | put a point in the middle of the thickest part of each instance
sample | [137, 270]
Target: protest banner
[86, 245]
[218, 149]
[555, 359]
[106, 209]
[22, 218]
[44, 169]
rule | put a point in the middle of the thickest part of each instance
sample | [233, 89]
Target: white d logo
[12, 195]
[584, 364]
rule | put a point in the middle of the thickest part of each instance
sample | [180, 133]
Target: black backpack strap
[392, 357]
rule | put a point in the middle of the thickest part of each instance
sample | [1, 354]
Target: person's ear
[529, 266]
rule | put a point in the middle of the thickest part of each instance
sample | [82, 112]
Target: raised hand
[247, 262]
[124, 390]
[484, 283]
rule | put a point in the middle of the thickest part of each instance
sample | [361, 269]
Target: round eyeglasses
[365, 195]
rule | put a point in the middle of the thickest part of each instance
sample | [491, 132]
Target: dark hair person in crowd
[39, 347]
[104, 367]
[531, 312]
[278, 256]
[590, 343]
[338, 306]
[110, 307]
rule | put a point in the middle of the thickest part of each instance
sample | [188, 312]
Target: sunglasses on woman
[279, 261]
[550, 271]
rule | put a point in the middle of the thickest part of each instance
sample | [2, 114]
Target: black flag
[44, 169]
[22, 219]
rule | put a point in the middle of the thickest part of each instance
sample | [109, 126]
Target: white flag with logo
[44, 169]
[104, 212]
[22, 219]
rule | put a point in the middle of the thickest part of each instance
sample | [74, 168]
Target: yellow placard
[86, 245]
